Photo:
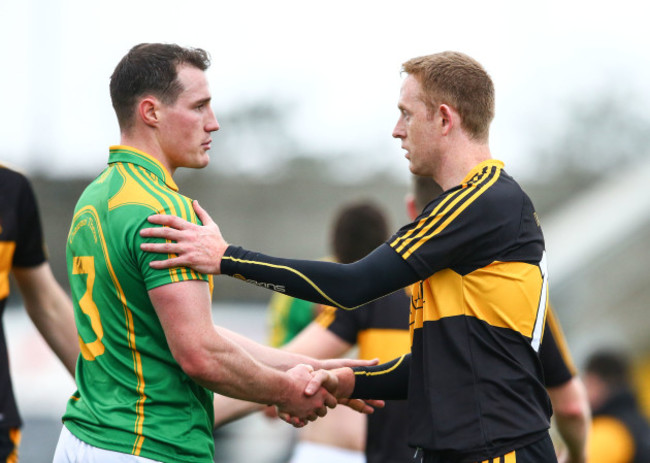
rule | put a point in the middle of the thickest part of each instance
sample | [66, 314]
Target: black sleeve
[30, 247]
[554, 354]
[388, 381]
[346, 286]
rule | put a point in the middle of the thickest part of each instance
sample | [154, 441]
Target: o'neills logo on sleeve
[271, 286]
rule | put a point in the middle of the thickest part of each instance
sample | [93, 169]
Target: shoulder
[12, 174]
[135, 188]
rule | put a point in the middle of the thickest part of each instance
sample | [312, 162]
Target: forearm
[572, 417]
[221, 364]
[346, 286]
[50, 309]
[275, 358]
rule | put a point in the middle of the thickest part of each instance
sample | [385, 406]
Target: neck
[457, 163]
[149, 146]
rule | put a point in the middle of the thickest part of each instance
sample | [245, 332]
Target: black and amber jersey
[477, 258]
[21, 245]
[557, 363]
[476, 386]
[380, 330]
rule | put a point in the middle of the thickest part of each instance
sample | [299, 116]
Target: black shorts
[9, 440]
[539, 451]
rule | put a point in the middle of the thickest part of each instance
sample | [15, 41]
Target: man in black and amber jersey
[22, 253]
[477, 262]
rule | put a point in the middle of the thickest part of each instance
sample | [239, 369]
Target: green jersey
[132, 396]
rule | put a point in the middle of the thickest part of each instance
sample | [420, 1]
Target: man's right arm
[221, 365]
[313, 341]
[386, 381]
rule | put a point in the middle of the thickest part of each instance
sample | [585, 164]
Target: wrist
[346, 383]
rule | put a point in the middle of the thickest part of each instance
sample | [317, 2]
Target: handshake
[317, 390]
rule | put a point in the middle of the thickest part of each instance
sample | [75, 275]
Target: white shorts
[310, 452]
[72, 450]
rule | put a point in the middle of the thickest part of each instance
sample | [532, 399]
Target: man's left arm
[283, 359]
[567, 392]
[50, 309]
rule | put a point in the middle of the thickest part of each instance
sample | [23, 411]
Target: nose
[212, 125]
[398, 130]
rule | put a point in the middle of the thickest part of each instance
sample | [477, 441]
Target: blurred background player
[22, 253]
[357, 229]
[620, 432]
[379, 331]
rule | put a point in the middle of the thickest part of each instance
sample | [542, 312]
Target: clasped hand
[329, 388]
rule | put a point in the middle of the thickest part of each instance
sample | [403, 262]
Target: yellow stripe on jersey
[382, 372]
[560, 340]
[384, 344]
[295, 272]
[495, 294]
[7, 249]
[326, 316]
[445, 213]
[92, 219]
[134, 192]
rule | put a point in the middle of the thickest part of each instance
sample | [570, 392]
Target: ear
[447, 118]
[148, 111]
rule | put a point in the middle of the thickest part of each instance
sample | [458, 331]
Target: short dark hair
[358, 229]
[150, 68]
[610, 366]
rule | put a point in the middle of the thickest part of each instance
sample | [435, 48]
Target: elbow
[194, 364]
[572, 412]
[570, 401]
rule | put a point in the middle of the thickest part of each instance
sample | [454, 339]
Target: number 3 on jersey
[85, 265]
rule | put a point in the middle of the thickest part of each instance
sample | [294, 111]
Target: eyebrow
[204, 100]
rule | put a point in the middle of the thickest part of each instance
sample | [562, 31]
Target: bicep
[185, 313]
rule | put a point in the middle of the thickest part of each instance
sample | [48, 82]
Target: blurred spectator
[357, 229]
[22, 253]
[620, 433]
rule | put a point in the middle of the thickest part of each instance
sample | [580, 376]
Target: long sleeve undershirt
[346, 286]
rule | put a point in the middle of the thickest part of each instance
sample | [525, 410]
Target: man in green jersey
[150, 354]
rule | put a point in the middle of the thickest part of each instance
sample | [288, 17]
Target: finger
[161, 248]
[359, 405]
[159, 232]
[321, 411]
[169, 221]
[330, 401]
[321, 378]
[202, 214]
[168, 263]
[375, 403]
[360, 362]
[293, 421]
